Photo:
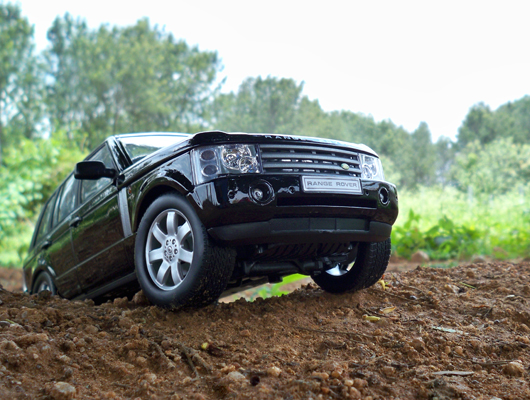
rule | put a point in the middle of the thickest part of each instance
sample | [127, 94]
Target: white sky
[408, 61]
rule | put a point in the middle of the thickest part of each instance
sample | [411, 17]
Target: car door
[97, 232]
[58, 244]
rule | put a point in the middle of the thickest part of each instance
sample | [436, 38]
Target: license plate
[331, 185]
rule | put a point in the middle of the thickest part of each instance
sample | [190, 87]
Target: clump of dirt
[428, 333]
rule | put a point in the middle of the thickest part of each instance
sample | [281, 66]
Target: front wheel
[369, 266]
[177, 264]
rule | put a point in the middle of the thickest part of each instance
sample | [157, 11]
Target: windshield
[142, 145]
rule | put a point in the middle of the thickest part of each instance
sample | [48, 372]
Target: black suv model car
[192, 217]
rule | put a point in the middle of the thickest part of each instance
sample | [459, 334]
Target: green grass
[449, 224]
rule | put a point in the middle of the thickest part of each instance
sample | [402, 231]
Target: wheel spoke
[162, 272]
[171, 223]
[184, 230]
[156, 254]
[158, 234]
[185, 255]
[175, 272]
[336, 271]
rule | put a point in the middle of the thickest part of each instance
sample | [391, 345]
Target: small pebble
[388, 370]
[274, 371]
[91, 329]
[320, 375]
[235, 376]
[514, 368]
[62, 391]
[354, 393]
[360, 383]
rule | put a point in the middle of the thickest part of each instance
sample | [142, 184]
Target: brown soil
[454, 333]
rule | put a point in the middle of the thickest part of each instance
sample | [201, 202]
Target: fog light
[261, 192]
[257, 193]
[383, 196]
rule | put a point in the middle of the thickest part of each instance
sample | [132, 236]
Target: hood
[219, 137]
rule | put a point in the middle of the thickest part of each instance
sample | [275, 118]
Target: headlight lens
[239, 157]
[210, 162]
[372, 168]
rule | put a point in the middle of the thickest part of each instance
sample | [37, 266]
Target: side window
[68, 198]
[44, 226]
[90, 187]
[57, 207]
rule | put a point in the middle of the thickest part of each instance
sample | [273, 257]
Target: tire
[369, 266]
[177, 264]
[44, 282]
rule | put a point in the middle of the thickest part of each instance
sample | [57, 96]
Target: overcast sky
[408, 61]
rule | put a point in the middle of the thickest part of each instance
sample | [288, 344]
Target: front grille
[295, 158]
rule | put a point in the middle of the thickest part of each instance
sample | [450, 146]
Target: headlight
[371, 168]
[210, 162]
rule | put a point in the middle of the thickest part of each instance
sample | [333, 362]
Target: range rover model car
[189, 218]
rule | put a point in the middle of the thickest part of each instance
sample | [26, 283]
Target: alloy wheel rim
[169, 249]
[338, 270]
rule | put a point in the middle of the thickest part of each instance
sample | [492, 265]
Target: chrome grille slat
[301, 158]
[309, 157]
[308, 148]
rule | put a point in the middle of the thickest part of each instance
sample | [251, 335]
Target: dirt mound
[432, 333]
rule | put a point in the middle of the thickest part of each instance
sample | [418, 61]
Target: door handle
[45, 245]
[75, 222]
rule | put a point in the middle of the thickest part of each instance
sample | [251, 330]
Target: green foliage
[496, 167]
[20, 88]
[261, 105]
[131, 79]
[32, 170]
[448, 224]
[444, 240]
[275, 289]
[485, 126]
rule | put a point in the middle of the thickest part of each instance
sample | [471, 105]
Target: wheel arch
[151, 193]
[35, 276]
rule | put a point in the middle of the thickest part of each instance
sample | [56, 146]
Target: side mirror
[93, 170]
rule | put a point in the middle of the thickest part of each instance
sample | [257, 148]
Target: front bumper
[231, 214]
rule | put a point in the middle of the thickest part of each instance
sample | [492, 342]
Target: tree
[422, 157]
[445, 154]
[19, 81]
[261, 105]
[130, 79]
[495, 167]
[509, 120]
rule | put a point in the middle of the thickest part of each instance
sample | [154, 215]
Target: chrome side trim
[124, 212]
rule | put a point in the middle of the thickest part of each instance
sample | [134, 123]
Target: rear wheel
[44, 282]
[369, 266]
[176, 262]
